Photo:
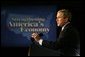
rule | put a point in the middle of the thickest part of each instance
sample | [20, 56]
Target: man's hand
[36, 36]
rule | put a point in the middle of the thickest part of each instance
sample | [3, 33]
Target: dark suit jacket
[67, 42]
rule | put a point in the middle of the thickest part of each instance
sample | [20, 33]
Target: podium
[36, 50]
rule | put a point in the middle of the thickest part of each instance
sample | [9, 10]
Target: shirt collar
[65, 25]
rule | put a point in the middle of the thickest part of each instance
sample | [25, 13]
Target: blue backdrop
[12, 35]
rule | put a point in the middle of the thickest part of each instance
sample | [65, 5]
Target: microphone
[40, 34]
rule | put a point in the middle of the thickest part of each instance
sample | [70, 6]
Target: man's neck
[65, 25]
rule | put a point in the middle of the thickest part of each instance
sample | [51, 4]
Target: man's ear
[66, 19]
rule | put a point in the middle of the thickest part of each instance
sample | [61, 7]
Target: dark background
[76, 7]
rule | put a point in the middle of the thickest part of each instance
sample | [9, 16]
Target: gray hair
[66, 13]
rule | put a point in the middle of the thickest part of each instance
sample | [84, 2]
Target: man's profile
[68, 39]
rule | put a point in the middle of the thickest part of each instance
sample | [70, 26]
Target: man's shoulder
[70, 29]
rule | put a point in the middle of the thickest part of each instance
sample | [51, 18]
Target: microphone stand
[33, 42]
[29, 52]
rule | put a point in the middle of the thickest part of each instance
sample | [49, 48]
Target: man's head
[63, 16]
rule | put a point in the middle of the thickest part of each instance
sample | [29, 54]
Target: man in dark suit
[68, 40]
